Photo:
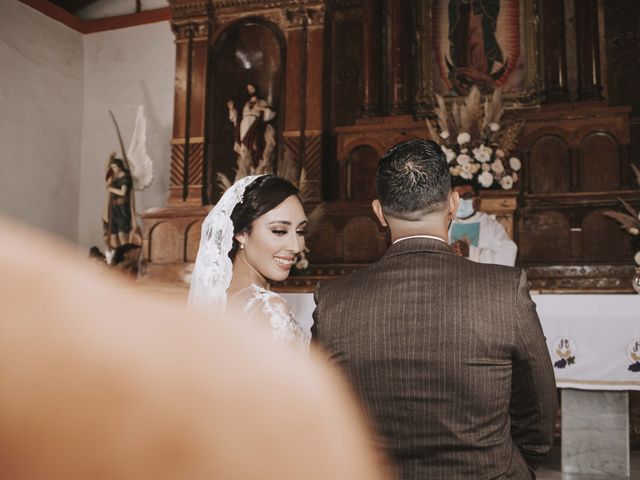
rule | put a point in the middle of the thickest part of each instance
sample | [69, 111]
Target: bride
[252, 236]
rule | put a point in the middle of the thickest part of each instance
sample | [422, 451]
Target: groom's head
[414, 185]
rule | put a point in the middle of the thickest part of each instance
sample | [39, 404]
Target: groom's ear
[454, 201]
[377, 210]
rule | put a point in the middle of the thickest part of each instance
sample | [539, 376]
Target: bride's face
[275, 240]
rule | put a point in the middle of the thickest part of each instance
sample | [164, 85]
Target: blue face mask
[465, 208]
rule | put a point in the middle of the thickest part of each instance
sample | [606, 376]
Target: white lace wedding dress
[263, 307]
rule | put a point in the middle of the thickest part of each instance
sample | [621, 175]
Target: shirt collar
[419, 236]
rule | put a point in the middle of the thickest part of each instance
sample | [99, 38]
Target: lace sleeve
[270, 307]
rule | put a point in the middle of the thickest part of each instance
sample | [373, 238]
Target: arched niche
[322, 244]
[362, 242]
[550, 165]
[164, 244]
[603, 239]
[361, 173]
[192, 241]
[599, 163]
[545, 235]
[249, 51]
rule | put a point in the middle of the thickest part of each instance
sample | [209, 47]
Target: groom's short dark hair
[413, 179]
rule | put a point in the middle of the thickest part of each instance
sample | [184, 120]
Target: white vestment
[494, 245]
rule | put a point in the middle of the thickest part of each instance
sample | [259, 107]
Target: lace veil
[213, 268]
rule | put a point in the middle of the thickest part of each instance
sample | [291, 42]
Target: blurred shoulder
[254, 299]
[271, 300]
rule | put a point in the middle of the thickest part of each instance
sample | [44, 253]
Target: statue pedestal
[170, 243]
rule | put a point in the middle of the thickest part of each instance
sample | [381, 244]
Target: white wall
[41, 82]
[111, 8]
[56, 89]
[123, 69]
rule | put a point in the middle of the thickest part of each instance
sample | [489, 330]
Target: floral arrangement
[630, 219]
[476, 141]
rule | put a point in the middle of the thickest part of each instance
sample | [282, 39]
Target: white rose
[485, 179]
[464, 150]
[482, 153]
[464, 159]
[636, 257]
[494, 127]
[475, 167]
[497, 166]
[499, 153]
[302, 264]
[515, 164]
[486, 167]
[463, 138]
[482, 157]
[506, 182]
[450, 154]
[634, 231]
[467, 172]
[444, 134]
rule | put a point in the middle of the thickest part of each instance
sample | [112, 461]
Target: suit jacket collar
[416, 245]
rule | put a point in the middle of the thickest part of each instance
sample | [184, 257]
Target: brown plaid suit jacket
[449, 359]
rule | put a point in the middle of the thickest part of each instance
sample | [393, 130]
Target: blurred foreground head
[99, 381]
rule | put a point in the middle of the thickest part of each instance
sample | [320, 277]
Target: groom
[447, 355]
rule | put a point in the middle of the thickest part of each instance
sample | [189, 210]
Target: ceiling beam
[61, 15]
[72, 6]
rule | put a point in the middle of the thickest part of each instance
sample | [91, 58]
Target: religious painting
[487, 43]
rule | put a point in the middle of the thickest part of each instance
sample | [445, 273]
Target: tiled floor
[551, 469]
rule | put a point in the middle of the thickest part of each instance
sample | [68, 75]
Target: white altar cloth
[601, 336]
[593, 339]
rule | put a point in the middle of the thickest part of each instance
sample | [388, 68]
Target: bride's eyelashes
[281, 233]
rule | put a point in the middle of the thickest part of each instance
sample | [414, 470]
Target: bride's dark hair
[261, 196]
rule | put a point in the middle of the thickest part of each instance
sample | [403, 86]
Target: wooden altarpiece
[348, 79]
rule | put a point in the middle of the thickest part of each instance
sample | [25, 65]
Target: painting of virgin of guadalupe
[477, 42]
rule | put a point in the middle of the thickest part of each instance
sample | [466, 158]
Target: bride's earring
[242, 246]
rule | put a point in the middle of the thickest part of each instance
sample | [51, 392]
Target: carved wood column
[304, 113]
[554, 51]
[422, 74]
[526, 157]
[372, 57]
[588, 50]
[399, 55]
[191, 25]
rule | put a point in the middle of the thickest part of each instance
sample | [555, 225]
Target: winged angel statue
[134, 171]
